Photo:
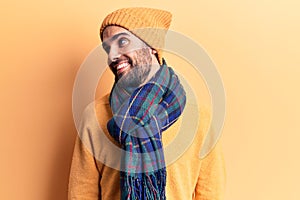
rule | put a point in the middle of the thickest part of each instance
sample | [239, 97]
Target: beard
[140, 67]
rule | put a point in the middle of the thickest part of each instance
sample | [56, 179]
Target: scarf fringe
[150, 186]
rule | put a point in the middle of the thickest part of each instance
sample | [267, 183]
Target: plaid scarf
[139, 118]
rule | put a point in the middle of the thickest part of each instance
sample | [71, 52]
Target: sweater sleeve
[84, 175]
[211, 180]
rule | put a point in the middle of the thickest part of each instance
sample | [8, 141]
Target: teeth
[122, 66]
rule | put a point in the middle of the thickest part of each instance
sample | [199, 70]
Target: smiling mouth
[122, 67]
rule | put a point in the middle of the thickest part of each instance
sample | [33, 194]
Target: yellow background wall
[255, 45]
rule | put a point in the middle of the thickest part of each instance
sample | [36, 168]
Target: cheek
[134, 45]
[132, 55]
[129, 50]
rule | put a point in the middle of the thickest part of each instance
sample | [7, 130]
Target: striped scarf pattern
[139, 118]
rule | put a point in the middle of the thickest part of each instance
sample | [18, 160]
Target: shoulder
[197, 123]
[207, 136]
[94, 110]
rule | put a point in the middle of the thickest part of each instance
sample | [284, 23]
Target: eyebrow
[104, 44]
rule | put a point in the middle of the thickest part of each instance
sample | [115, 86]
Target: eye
[123, 42]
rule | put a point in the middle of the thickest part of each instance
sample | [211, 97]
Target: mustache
[113, 66]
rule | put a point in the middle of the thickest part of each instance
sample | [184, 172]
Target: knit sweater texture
[188, 177]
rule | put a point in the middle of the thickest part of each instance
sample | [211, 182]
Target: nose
[113, 54]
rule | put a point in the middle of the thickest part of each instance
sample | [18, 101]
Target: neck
[154, 68]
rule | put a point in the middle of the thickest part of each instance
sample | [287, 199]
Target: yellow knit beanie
[149, 24]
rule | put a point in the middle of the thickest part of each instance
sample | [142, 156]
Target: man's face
[129, 58]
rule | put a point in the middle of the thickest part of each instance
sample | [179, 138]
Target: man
[140, 116]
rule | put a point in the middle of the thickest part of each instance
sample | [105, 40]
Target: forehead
[110, 31]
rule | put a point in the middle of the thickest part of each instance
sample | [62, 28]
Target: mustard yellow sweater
[188, 177]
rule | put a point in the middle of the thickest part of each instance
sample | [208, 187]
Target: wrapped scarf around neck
[139, 118]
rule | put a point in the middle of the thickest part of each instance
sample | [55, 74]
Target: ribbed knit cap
[149, 24]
